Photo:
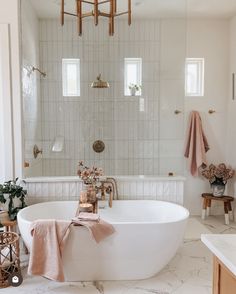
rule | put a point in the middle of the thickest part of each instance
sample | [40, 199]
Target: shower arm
[41, 72]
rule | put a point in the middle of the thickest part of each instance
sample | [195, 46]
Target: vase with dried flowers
[91, 180]
[218, 177]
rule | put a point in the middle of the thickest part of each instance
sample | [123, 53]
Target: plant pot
[5, 206]
[218, 189]
[133, 92]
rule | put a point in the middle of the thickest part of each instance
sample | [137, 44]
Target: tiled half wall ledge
[129, 188]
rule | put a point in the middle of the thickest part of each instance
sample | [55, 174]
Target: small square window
[194, 77]
[71, 77]
[133, 76]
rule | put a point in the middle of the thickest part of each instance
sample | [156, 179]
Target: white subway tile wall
[31, 96]
[133, 139]
[128, 189]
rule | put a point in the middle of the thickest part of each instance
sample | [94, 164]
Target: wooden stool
[207, 198]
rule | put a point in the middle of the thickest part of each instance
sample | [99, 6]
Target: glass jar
[91, 193]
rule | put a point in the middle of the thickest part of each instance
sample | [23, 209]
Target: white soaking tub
[148, 234]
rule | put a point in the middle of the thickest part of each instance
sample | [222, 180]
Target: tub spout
[113, 182]
[106, 189]
[109, 187]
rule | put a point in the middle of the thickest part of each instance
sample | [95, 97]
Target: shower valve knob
[36, 151]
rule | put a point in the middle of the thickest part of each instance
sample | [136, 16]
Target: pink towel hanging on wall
[197, 144]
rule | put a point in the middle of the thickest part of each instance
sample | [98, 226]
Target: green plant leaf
[13, 191]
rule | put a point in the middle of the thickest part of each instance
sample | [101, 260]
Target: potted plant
[218, 177]
[134, 88]
[12, 197]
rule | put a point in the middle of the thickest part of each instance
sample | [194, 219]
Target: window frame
[65, 90]
[200, 62]
[138, 62]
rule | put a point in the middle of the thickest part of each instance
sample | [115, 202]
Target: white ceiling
[150, 8]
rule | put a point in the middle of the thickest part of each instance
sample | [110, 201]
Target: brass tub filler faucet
[108, 187]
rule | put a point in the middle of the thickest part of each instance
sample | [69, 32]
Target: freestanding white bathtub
[148, 234]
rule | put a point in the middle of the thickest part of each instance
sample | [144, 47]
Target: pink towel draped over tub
[49, 237]
[197, 144]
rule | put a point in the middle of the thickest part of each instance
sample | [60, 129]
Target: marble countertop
[223, 246]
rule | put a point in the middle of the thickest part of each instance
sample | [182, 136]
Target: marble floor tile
[190, 271]
[217, 226]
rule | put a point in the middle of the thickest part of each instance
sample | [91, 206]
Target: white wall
[31, 88]
[209, 39]
[231, 139]
[171, 126]
[9, 14]
[231, 134]
[6, 128]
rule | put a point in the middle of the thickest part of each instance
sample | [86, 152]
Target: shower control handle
[36, 151]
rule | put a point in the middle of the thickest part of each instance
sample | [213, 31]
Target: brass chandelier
[96, 13]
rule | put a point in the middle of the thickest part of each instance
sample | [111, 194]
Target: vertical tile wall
[137, 142]
[31, 89]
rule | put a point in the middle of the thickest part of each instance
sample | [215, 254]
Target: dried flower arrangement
[89, 175]
[220, 173]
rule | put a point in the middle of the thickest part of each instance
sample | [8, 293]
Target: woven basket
[9, 256]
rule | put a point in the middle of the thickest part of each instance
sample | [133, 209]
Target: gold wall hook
[178, 111]
[211, 111]
[36, 151]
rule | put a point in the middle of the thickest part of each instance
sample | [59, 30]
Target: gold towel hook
[177, 111]
[211, 111]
